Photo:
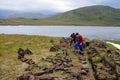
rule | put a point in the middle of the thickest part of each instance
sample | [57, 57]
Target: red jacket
[80, 38]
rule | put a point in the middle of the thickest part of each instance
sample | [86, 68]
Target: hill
[4, 13]
[93, 15]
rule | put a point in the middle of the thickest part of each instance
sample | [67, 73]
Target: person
[72, 38]
[78, 43]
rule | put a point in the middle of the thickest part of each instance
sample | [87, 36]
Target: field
[79, 65]
[10, 66]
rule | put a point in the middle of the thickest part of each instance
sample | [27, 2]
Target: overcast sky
[53, 5]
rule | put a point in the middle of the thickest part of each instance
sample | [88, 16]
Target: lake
[91, 32]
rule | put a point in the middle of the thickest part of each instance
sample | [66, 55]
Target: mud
[101, 67]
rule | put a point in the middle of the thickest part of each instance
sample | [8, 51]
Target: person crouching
[72, 38]
[78, 43]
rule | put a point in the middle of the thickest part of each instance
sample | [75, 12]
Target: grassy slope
[94, 15]
[10, 66]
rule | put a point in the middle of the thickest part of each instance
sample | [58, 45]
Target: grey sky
[53, 5]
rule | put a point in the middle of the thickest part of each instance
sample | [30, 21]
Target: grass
[10, 66]
[59, 21]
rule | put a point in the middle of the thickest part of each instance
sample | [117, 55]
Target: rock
[24, 59]
[117, 52]
[118, 62]
[99, 67]
[43, 68]
[26, 76]
[86, 69]
[19, 57]
[63, 40]
[84, 62]
[117, 59]
[82, 58]
[74, 74]
[51, 41]
[87, 44]
[21, 53]
[83, 72]
[28, 51]
[102, 45]
[109, 51]
[54, 48]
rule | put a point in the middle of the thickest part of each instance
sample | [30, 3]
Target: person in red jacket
[79, 42]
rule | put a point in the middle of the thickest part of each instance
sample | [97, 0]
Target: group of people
[77, 39]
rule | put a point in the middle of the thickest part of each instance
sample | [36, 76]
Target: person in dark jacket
[72, 38]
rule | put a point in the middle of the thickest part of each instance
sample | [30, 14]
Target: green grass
[10, 66]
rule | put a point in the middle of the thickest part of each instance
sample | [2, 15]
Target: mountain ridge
[4, 13]
[98, 15]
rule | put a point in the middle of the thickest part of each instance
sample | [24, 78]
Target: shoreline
[107, 40]
[58, 25]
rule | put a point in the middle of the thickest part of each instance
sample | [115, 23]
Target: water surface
[92, 32]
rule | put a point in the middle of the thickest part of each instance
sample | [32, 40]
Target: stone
[28, 51]
[83, 72]
[54, 48]
[86, 69]
[84, 62]
[51, 41]
[21, 53]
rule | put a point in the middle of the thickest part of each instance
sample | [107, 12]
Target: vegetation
[11, 67]
[93, 15]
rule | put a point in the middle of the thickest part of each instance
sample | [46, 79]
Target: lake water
[91, 32]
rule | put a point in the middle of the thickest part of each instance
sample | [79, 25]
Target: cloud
[35, 4]
[54, 5]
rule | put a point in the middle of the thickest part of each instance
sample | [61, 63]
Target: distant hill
[22, 14]
[6, 13]
[92, 15]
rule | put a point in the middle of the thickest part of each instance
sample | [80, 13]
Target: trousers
[78, 45]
